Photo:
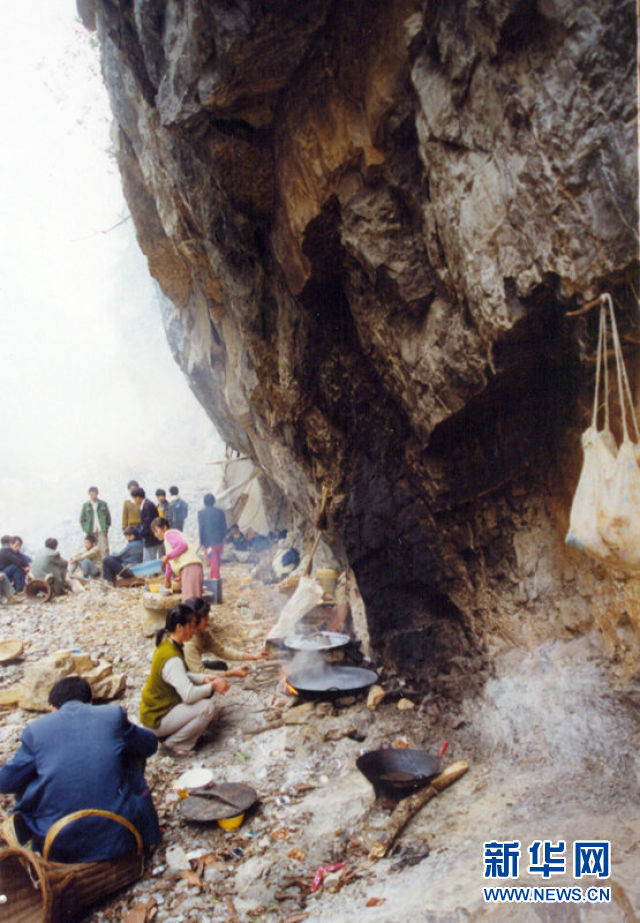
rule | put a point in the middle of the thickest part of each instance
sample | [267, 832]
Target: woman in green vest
[177, 705]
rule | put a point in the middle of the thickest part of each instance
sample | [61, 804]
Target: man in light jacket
[95, 519]
[48, 564]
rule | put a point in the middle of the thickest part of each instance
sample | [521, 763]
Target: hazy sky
[84, 363]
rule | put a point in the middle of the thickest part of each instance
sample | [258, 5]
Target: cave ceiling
[368, 220]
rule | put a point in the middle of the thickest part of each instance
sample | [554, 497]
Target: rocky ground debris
[299, 854]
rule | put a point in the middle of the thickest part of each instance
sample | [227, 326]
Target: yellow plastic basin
[231, 823]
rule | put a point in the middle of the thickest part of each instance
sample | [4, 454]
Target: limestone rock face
[368, 220]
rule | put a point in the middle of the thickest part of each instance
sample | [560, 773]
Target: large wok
[331, 681]
[398, 770]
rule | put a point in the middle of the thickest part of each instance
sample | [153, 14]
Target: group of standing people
[151, 531]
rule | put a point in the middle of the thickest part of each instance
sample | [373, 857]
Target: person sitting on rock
[6, 590]
[48, 564]
[13, 563]
[179, 560]
[237, 538]
[117, 565]
[205, 642]
[81, 756]
[176, 705]
[87, 560]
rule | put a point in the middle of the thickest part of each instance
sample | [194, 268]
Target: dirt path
[552, 753]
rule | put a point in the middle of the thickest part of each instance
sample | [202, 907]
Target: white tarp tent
[239, 494]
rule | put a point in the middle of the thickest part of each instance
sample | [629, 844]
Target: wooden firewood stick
[409, 806]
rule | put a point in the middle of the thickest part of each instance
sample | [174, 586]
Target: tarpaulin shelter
[239, 494]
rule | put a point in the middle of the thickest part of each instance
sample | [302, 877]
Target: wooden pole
[409, 806]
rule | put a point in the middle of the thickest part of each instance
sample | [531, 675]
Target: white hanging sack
[599, 453]
[619, 513]
[605, 514]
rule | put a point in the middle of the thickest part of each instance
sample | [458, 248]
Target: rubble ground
[544, 764]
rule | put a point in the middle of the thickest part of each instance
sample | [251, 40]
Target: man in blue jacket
[212, 528]
[115, 565]
[82, 756]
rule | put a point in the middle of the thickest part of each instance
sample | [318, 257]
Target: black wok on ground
[393, 771]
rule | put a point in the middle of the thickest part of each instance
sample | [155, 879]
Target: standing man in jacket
[178, 509]
[82, 756]
[212, 528]
[130, 511]
[153, 547]
[95, 519]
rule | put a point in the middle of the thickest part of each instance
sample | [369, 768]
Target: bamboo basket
[40, 891]
[39, 590]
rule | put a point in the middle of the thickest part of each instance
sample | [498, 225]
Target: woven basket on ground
[40, 891]
[38, 589]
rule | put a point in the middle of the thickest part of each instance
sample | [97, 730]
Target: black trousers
[111, 567]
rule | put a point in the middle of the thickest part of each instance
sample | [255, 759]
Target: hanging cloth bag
[605, 514]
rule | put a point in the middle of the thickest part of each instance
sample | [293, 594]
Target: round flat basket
[218, 802]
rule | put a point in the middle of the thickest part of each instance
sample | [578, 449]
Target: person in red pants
[212, 528]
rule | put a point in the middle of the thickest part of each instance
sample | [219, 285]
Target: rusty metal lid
[203, 805]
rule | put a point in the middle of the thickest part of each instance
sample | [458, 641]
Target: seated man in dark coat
[13, 562]
[115, 565]
[82, 756]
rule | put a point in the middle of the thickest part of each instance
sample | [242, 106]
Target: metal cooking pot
[316, 641]
[331, 681]
[398, 769]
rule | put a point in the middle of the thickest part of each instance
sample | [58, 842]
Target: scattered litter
[405, 705]
[198, 777]
[322, 871]
[142, 912]
[177, 858]
[192, 878]
[297, 854]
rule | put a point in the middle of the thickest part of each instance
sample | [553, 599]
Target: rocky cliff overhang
[369, 219]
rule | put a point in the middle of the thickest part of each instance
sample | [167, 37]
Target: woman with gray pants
[177, 705]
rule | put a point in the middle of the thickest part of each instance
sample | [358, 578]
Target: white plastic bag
[307, 596]
[605, 514]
